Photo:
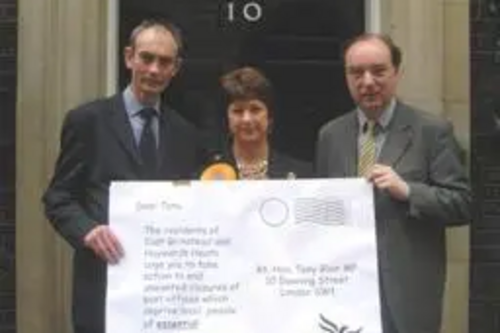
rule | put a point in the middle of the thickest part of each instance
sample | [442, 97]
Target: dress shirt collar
[384, 120]
[133, 106]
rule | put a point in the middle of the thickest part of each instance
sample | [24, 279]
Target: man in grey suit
[418, 177]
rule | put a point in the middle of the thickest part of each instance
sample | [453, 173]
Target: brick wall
[485, 140]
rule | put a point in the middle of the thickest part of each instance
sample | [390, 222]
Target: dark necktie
[147, 144]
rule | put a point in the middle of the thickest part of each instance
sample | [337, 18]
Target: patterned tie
[147, 144]
[367, 150]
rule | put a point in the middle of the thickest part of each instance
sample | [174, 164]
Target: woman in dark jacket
[249, 98]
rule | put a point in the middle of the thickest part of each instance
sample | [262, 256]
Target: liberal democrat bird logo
[329, 326]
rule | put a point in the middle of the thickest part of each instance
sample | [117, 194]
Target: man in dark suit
[413, 161]
[129, 136]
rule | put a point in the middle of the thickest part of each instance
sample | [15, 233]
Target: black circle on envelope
[274, 212]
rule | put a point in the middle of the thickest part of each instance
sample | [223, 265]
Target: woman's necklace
[257, 170]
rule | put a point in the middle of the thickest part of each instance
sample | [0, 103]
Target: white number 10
[252, 11]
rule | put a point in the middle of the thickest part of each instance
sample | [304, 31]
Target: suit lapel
[274, 166]
[120, 126]
[165, 143]
[399, 137]
[349, 140]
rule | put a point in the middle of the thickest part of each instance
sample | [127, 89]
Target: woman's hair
[247, 83]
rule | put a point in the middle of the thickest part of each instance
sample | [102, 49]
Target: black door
[297, 43]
